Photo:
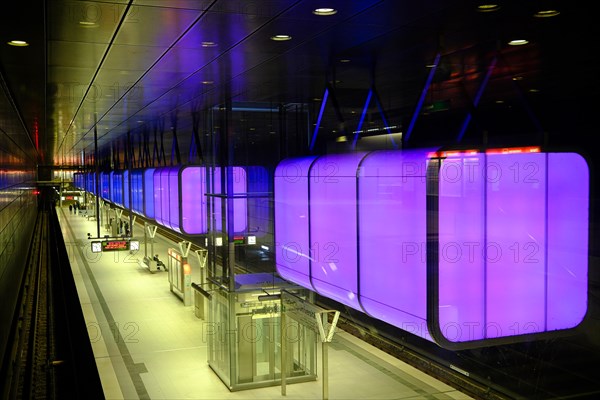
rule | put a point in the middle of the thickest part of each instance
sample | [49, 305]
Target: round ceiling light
[546, 13]
[488, 7]
[18, 43]
[518, 42]
[324, 11]
[281, 38]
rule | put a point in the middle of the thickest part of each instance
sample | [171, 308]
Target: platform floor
[147, 344]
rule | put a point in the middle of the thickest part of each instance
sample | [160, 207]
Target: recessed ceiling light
[324, 11]
[518, 42]
[207, 82]
[18, 43]
[88, 24]
[208, 44]
[140, 121]
[546, 13]
[345, 60]
[488, 7]
[280, 38]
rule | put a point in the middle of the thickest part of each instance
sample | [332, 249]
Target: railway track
[33, 376]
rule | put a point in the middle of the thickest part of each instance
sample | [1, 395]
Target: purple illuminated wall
[509, 230]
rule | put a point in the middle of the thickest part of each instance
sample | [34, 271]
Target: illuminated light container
[240, 202]
[148, 192]
[116, 187]
[466, 249]
[333, 227]
[105, 185]
[193, 200]
[180, 201]
[292, 241]
[166, 197]
[392, 230]
[512, 246]
[91, 182]
[137, 191]
[125, 189]
[259, 202]
[78, 180]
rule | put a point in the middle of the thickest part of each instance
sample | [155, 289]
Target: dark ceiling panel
[147, 60]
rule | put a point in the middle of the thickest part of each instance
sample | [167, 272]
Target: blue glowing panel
[333, 227]
[137, 191]
[292, 248]
[259, 185]
[105, 185]
[91, 182]
[78, 180]
[116, 187]
[148, 192]
[393, 235]
[126, 190]
[193, 200]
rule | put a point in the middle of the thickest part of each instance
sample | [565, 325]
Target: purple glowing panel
[292, 257]
[333, 228]
[148, 192]
[240, 205]
[193, 200]
[392, 238]
[158, 195]
[174, 212]
[461, 247]
[568, 226]
[515, 246]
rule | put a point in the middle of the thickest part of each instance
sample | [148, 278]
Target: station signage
[115, 245]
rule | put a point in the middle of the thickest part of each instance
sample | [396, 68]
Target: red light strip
[503, 150]
[514, 150]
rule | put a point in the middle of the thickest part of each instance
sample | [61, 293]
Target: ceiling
[118, 66]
